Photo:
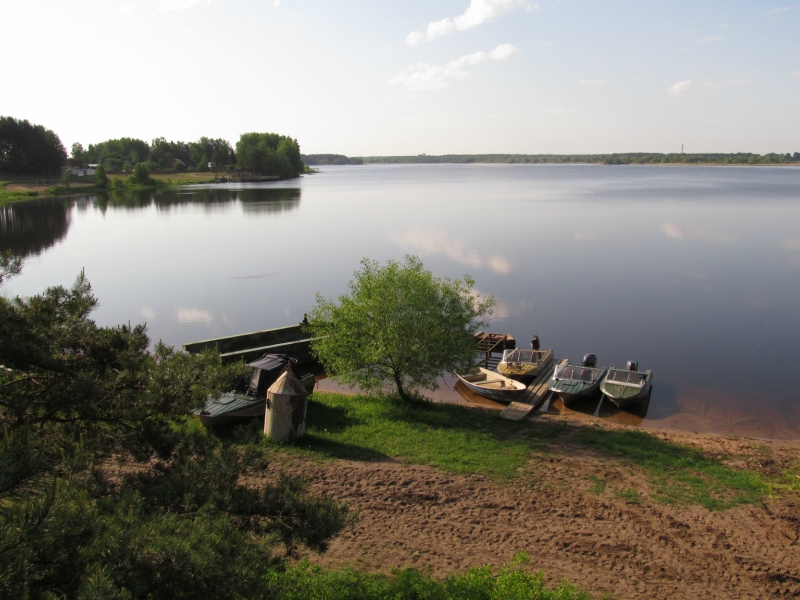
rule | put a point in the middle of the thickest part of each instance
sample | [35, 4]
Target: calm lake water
[692, 271]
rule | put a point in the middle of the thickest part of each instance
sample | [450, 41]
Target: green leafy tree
[399, 326]
[77, 151]
[76, 398]
[141, 175]
[28, 149]
[66, 178]
[269, 154]
[100, 177]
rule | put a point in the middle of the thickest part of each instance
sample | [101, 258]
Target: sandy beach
[601, 537]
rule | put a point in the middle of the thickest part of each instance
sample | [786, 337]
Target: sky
[371, 77]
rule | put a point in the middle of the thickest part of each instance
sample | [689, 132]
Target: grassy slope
[460, 440]
[511, 583]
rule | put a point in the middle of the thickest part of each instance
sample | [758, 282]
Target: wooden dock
[534, 396]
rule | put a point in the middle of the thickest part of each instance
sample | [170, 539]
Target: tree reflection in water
[29, 228]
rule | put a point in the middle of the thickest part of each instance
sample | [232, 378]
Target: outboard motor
[590, 360]
[535, 342]
[632, 366]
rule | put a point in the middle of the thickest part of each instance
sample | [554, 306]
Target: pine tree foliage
[76, 399]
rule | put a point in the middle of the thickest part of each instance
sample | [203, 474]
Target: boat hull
[572, 390]
[506, 390]
[571, 394]
[230, 408]
[525, 371]
[624, 395]
[293, 341]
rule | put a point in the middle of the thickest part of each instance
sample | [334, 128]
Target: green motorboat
[572, 382]
[627, 386]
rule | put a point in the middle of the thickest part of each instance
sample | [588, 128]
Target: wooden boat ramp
[535, 395]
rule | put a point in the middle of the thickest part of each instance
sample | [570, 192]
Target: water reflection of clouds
[678, 231]
[502, 308]
[432, 242]
[586, 235]
[792, 246]
[194, 315]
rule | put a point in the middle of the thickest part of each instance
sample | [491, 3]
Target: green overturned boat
[572, 382]
[267, 352]
[250, 400]
[627, 386]
[293, 340]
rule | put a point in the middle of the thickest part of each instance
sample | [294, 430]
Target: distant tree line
[330, 159]
[629, 158]
[263, 153]
[28, 149]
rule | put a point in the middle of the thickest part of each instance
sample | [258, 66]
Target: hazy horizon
[379, 79]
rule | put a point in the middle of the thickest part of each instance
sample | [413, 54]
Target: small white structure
[287, 399]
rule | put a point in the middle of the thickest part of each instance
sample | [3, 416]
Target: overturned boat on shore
[249, 400]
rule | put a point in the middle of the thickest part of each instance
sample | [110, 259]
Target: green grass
[598, 485]
[444, 436]
[306, 582]
[460, 440]
[678, 474]
[629, 495]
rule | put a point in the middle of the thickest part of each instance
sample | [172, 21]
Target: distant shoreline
[614, 159]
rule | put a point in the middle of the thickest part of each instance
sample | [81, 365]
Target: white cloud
[478, 12]
[424, 77]
[796, 74]
[148, 313]
[164, 5]
[712, 38]
[592, 82]
[780, 9]
[127, 8]
[686, 87]
[680, 88]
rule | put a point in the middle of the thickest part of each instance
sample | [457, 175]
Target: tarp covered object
[287, 399]
[265, 372]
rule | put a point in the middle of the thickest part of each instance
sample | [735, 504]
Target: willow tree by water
[399, 326]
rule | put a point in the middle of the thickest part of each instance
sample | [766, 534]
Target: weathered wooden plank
[534, 395]
[516, 411]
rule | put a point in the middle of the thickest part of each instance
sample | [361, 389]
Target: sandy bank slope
[416, 515]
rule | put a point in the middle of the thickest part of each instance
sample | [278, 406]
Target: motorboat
[626, 386]
[572, 382]
[250, 399]
[524, 364]
[492, 385]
